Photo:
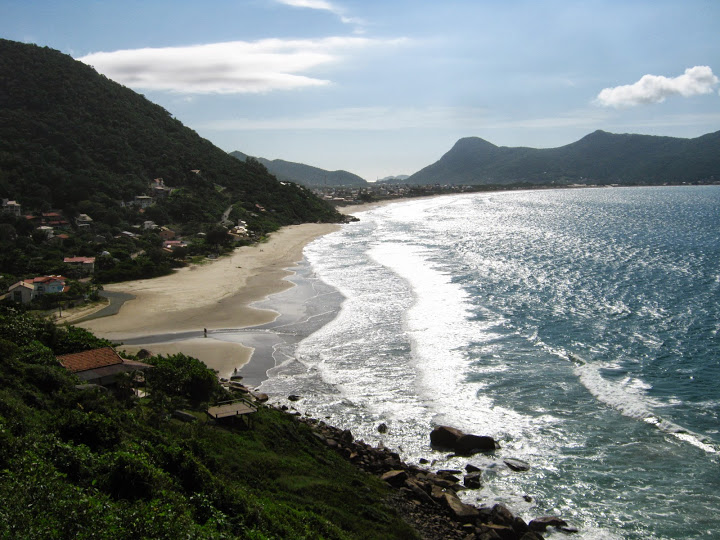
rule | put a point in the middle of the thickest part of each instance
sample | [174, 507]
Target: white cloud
[655, 88]
[226, 68]
[323, 5]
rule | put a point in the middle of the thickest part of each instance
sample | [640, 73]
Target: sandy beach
[213, 295]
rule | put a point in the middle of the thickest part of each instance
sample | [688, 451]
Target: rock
[382, 428]
[293, 397]
[423, 461]
[449, 471]
[395, 478]
[473, 480]
[445, 436]
[470, 444]
[472, 468]
[502, 516]
[517, 464]
[542, 523]
[418, 491]
[346, 436]
[261, 397]
[463, 512]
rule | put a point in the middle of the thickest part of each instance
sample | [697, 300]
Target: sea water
[577, 327]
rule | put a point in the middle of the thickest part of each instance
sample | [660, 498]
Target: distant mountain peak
[598, 158]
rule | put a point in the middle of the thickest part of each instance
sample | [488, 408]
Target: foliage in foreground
[87, 464]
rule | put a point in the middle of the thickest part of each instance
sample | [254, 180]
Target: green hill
[598, 158]
[306, 175]
[80, 462]
[73, 140]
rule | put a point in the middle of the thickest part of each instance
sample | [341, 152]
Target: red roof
[45, 279]
[92, 359]
[79, 260]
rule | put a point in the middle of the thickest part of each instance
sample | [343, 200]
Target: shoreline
[168, 314]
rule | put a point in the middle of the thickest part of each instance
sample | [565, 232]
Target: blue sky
[387, 87]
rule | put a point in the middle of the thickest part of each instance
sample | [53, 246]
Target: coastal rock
[395, 478]
[472, 468]
[463, 512]
[471, 444]
[445, 436]
[542, 523]
[382, 428]
[293, 397]
[473, 480]
[516, 464]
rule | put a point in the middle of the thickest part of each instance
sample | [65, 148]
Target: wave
[628, 397]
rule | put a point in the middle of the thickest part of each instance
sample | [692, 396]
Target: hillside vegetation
[598, 158]
[307, 175]
[73, 141]
[82, 463]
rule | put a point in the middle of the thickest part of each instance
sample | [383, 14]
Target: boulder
[382, 428]
[473, 480]
[542, 523]
[293, 397]
[463, 512]
[471, 444]
[517, 464]
[395, 478]
[472, 468]
[445, 436]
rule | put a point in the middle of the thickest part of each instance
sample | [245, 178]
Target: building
[28, 289]
[143, 201]
[11, 207]
[83, 221]
[100, 366]
[86, 265]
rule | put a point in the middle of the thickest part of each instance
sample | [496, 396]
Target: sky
[386, 87]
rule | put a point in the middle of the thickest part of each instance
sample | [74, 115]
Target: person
[204, 332]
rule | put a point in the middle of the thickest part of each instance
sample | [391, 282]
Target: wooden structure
[228, 410]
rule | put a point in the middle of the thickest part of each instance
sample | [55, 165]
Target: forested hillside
[598, 158]
[75, 142]
[79, 461]
[306, 175]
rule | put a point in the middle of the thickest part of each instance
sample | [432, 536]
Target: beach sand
[217, 294]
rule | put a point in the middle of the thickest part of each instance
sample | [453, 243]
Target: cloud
[227, 68]
[655, 88]
[322, 5]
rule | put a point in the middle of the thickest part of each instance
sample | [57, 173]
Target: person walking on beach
[204, 332]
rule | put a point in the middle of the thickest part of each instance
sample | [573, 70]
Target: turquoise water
[577, 327]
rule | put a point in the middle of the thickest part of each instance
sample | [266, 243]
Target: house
[143, 201]
[21, 292]
[11, 207]
[100, 366]
[86, 265]
[159, 189]
[83, 221]
[166, 234]
[28, 289]
[53, 219]
[172, 245]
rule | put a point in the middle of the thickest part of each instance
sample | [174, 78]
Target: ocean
[578, 327]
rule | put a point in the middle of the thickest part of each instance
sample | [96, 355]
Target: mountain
[393, 179]
[71, 139]
[598, 158]
[305, 175]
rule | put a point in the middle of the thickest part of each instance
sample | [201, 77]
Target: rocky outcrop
[429, 500]
[446, 437]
